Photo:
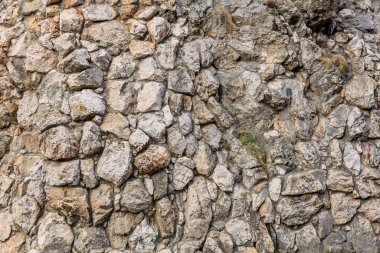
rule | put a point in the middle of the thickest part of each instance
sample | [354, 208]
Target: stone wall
[179, 126]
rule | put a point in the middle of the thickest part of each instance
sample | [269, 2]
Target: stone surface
[60, 144]
[99, 12]
[158, 28]
[91, 78]
[180, 81]
[360, 92]
[115, 164]
[121, 66]
[223, 178]
[86, 104]
[62, 173]
[25, 212]
[135, 197]
[150, 97]
[343, 207]
[101, 200]
[117, 124]
[90, 239]
[152, 125]
[305, 182]
[91, 142]
[153, 159]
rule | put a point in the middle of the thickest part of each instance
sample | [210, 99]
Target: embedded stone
[135, 198]
[99, 12]
[86, 104]
[310, 181]
[150, 97]
[59, 143]
[153, 159]
[62, 173]
[91, 78]
[158, 28]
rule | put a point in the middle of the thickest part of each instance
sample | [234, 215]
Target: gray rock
[135, 198]
[343, 207]
[59, 143]
[143, 238]
[99, 12]
[87, 169]
[204, 159]
[366, 184]
[152, 124]
[65, 44]
[91, 78]
[91, 142]
[160, 184]
[298, 210]
[166, 53]
[138, 140]
[185, 123]
[115, 164]
[223, 178]
[166, 216]
[362, 236]
[150, 70]
[180, 81]
[54, 233]
[325, 224]
[337, 242]
[62, 173]
[374, 124]
[6, 225]
[25, 212]
[158, 28]
[370, 209]
[122, 66]
[101, 200]
[76, 61]
[307, 240]
[351, 159]
[310, 181]
[189, 54]
[120, 96]
[285, 238]
[176, 141]
[206, 84]
[337, 124]
[360, 92]
[101, 58]
[86, 104]
[212, 136]
[70, 20]
[182, 173]
[357, 125]
[27, 109]
[90, 239]
[106, 34]
[308, 154]
[137, 27]
[153, 159]
[239, 230]
[150, 97]
[39, 58]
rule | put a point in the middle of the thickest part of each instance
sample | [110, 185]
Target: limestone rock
[143, 238]
[91, 78]
[25, 212]
[370, 209]
[54, 233]
[6, 225]
[70, 20]
[239, 230]
[204, 159]
[206, 84]
[39, 58]
[338, 180]
[86, 104]
[115, 164]
[298, 210]
[310, 181]
[135, 197]
[223, 178]
[360, 92]
[152, 160]
[76, 61]
[150, 70]
[153, 125]
[150, 97]
[176, 141]
[180, 81]
[182, 173]
[101, 200]
[212, 136]
[307, 240]
[90, 142]
[62, 173]
[343, 207]
[140, 49]
[122, 66]
[99, 12]
[166, 216]
[351, 159]
[374, 129]
[90, 239]
[60, 144]
[120, 96]
[117, 124]
[166, 53]
[138, 140]
[87, 169]
[158, 28]
[362, 236]
[137, 27]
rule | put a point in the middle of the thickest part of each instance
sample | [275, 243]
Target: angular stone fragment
[362, 236]
[117, 124]
[343, 207]
[351, 159]
[5, 225]
[180, 81]
[65, 44]
[99, 12]
[101, 200]
[101, 58]
[59, 143]
[367, 185]
[39, 58]
[374, 124]
[158, 28]
[198, 214]
[298, 210]
[307, 240]
[202, 114]
[182, 174]
[152, 124]
[88, 79]
[86, 104]
[150, 70]
[212, 136]
[140, 49]
[166, 216]
[122, 66]
[239, 230]
[360, 91]
[70, 20]
[25, 212]
[54, 233]
[70, 201]
[310, 181]
[28, 106]
[338, 180]
[87, 169]
[91, 142]
[115, 164]
[166, 53]
[325, 224]
[137, 27]
[337, 124]
[204, 159]
[189, 54]
[371, 209]
[135, 198]
[76, 61]
[108, 33]
[152, 160]
[357, 125]
[176, 141]
[62, 173]
[150, 97]
[206, 84]
[120, 96]
[143, 238]
[138, 140]
[90, 239]
[223, 178]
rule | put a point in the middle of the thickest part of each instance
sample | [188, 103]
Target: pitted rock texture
[183, 126]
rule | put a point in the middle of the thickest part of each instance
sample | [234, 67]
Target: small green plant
[338, 61]
[253, 147]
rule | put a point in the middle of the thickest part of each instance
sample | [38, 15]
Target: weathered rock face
[189, 126]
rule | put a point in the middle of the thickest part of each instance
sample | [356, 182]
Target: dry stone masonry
[183, 126]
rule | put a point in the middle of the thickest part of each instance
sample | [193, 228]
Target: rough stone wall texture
[189, 126]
